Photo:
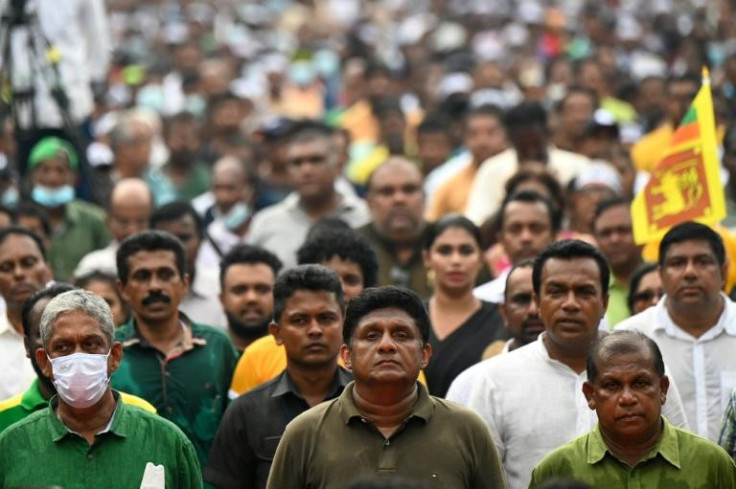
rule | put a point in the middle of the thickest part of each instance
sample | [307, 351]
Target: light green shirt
[679, 460]
[618, 307]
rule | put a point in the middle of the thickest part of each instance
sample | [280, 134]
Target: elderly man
[181, 367]
[86, 432]
[695, 323]
[396, 201]
[313, 167]
[37, 396]
[308, 315]
[23, 271]
[129, 210]
[400, 428]
[570, 281]
[627, 387]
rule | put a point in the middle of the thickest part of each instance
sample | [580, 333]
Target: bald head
[607, 351]
[231, 183]
[228, 167]
[131, 204]
[394, 163]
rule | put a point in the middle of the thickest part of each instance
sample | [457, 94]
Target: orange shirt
[452, 196]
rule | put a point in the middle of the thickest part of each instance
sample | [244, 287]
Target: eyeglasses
[648, 295]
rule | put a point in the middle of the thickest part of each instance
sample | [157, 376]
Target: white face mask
[80, 379]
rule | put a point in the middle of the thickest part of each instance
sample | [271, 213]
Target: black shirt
[250, 431]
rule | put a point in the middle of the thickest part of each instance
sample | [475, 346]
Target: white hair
[77, 300]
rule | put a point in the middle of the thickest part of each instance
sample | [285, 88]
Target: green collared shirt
[680, 459]
[618, 307]
[440, 444]
[83, 230]
[41, 451]
[189, 386]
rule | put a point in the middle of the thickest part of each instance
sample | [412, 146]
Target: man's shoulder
[457, 414]
[149, 423]
[645, 321]
[87, 210]
[497, 162]
[699, 447]
[311, 421]
[210, 333]
[563, 459]
[20, 430]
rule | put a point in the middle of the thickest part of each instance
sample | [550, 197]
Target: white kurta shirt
[704, 368]
[533, 404]
[16, 371]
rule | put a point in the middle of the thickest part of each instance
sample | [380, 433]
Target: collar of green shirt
[129, 335]
[667, 446]
[32, 398]
[423, 408]
[284, 385]
[118, 428]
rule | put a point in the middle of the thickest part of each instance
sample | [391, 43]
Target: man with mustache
[308, 304]
[247, 276]
[694, 324]
[396, 201]
[181, 367]
[531, 398]
[23, 271]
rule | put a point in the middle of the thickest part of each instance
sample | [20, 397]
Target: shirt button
[89, 457]
[388, 442]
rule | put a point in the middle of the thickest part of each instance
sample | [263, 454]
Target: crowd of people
[360, 244]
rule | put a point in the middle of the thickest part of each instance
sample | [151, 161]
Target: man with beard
[396, 201]
[181, 367]
[23, 271]
[37, 396]
[308, 313]
[247, 275]
[188, 175]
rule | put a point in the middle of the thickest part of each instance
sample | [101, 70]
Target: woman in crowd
[462, 326]
[645, 288]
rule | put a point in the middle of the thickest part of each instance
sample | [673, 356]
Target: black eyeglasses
[648, 295]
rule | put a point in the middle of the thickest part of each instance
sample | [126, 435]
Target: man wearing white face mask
[87, 431]
[77, 227]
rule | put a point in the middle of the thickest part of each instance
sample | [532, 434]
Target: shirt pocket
[268, 447]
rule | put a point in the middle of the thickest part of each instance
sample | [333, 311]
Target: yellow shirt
[263, 360]
[452, 196]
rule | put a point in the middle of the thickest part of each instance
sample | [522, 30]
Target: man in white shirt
[694, 324]
[526, 126]
[313, 165]
[532, 398]
[23, 271]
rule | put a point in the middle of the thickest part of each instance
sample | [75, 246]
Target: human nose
[690, 270]
[314, 328]
[570, 302]
[627, 396]
[531, 309]
[387, 343]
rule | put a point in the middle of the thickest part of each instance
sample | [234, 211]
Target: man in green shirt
[614, 234]
[183, 368]
[77, 227]
[87, 437]
[37, 396]
[633, 445]
[385, 422]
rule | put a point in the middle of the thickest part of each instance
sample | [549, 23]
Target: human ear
[588, 390]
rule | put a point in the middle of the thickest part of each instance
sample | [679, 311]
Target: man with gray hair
[86, 431]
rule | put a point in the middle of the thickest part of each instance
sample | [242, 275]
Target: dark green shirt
[82, 230]
[189, 387]
[41, 451]
[440, 444]
[679, 460]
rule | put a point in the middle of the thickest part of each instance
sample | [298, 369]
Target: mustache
[156, 297]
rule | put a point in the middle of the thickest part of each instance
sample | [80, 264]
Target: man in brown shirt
[385, 423]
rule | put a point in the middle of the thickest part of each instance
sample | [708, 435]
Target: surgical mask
[196, 104]
[236, 216]
[81, 378]
[50, 197]
[10, 197]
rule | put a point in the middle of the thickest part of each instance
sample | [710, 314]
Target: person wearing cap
[77, 226]
[598, 182]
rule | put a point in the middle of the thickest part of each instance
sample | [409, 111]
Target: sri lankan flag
[685, 185]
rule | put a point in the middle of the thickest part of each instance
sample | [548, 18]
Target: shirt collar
[131, 336]
[667, 446]
[284, 384]
[32, 398]
[423, 408]
[5, 326]
[725, 321]
[116, 426]
[71, 213]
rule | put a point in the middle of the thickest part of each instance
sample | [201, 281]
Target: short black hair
[181, 118]
[570, 249]
[527, 263]
[150, 240]
[577, 90]
[623, 342]
[174, 211]
[16, 230]
[609, 204]
[485, 110]
[326, 225]
[641, 270]
[688, 77]
[51, 291]
[545, 178]
[434, 123]
[449, 221]
[313, 277]
[532, 197]
[693, 231]
[346, 244]
[307, 130]
[33, 210]
[248, 254]
[527, 113]
[386, 297]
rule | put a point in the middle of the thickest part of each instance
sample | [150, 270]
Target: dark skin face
[313, 168]
[247, 294]
[530, 142]
[520, 311]
[32, 342]
[614, 234]
[23, 270]
[484, 137]
[185, 228]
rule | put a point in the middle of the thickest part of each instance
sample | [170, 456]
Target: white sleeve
[673, 409]
[96, 34]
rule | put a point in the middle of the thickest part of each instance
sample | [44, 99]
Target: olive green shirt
[440, 444]
[679, 460]
[82, 230]
[41, 451]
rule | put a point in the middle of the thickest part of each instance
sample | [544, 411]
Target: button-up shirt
[252, 427]
[16, 371]
[41, 451]
[704, 368]
[282, 228]
[532, 404]
[679, 459]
